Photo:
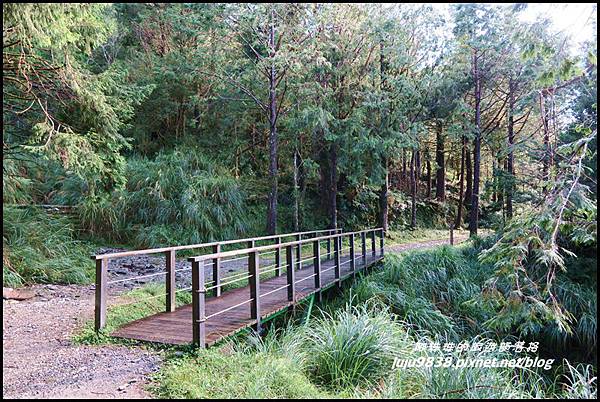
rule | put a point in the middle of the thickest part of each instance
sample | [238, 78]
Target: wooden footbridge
[279, 271]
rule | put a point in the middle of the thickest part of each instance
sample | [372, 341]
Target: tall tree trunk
[333, 184]
[383, 198]
[417, 170]
[296, 192]
[474, 213]
[272, 203]
[383, 195]
[510, 162]
[428, 177]
[440, 174]
[404, 175]
[459, 215]
[548, 155]
[413, 191]
[469, 176]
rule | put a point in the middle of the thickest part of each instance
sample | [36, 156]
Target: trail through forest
[41, 360]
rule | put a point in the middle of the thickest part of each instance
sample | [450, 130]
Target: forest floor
[40, 360]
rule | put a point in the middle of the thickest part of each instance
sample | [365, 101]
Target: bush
[354, 347]
[213, 374]
[40, 248]
[179, 197]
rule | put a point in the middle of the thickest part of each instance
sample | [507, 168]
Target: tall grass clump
[38, 247]
[354, 347]
[178, 197]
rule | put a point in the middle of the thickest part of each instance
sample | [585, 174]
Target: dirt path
[41, 361]
[459, 238]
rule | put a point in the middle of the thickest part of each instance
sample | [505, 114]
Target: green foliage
[178, 197]
[41, 248]
[354, 347]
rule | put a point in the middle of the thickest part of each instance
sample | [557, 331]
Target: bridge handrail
[201, 245]
[259, 249]
[102, 261]
[199, 289]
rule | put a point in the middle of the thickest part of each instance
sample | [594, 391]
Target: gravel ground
[40, 360]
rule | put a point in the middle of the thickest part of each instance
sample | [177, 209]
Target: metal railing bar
[134, 278]
[228, 308]
[202, 245]
[276, 290]
[274, 246]
[308, 277]
[228, 283]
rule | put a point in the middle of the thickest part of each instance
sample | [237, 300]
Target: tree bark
[333, 186]
[459, 215]
[440, 174]
[296, 193]
[383, 198]
[428, 178]
[510, 163]
[469, 176]
[272, 202]
[474, 213]
[413, 192]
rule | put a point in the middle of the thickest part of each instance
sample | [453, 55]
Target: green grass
[39, 247]
[345, 350]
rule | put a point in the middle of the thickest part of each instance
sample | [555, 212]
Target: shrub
[355, 346]
[179, 197]
[40, 248]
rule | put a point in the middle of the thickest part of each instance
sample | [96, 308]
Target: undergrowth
[38, 247]
[346, 350]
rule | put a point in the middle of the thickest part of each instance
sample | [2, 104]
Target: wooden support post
[216, 266]
[381, 242]
[278, 257]
[298, 253]
[352, 261]
[451, 235]
[329, 244]
[170, 304]
[254, 282]
[373, 251]
[336, 252]
[291, 280]
[198, 304]
[363, 241]
[317, 267]
[100, 311]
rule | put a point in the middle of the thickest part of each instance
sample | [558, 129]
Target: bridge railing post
[381, 242]
[317, 268]
[352, 259]
[451, 234]
[291, 280]
[170, 303]
[278, 257]
[329, 233]
[299, 252]
[363, 241]
[373, 249]
[254, 282]
[337, 246]
[100, 310]
[198, 304]
[216, 266]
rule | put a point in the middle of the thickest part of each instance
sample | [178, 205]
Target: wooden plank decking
[176, 327]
